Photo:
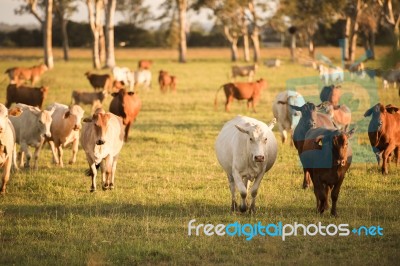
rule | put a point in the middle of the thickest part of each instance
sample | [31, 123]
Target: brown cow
[166, 81]
[126, 105]
[340, 114]
[250, 91]
[100, 82]
[19, 74]
[331, 94]
[384, 131]
[327, 156]
[27, 95]
[144, 64]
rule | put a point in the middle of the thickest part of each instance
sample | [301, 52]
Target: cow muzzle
[341, 162]
[47, 135]
[100, 142]
[77, 127]
[259, 158]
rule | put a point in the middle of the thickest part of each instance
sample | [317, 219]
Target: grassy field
[168, 174]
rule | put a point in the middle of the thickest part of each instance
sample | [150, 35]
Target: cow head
[122, 96]
[256, 139]
[74, 114]
[4, 113]
[295, 99]
[326, 108]
[100, 120]
[44, 121]
[378, 111]
[43, 68]
[308, 114]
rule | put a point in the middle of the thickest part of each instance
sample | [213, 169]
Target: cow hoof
[105, 187]
[92, 190]
[233, 206]
[111, 186]
[243, 208]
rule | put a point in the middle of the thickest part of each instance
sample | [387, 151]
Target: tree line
[237, 22]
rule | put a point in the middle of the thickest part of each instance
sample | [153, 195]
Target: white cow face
[44, 122]
[76, 113]
[257, 141]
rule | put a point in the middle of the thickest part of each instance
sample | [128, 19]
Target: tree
[95, 12]
[110, 6]
[392, 19]
[182, 8]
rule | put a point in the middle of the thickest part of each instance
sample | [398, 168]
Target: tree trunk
[182, 6]
[234, 51]
[292, 46]
[65, 42]
[347, 38]
[246, 48]
[255, 35]
[48, 23]
[110, 12]
[311, 46]
[94, 7]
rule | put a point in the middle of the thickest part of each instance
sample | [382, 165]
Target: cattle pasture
[168, 174]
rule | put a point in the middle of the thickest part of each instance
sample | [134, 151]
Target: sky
[7, 14]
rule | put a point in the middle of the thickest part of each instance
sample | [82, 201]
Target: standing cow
[31, 128]
[18, 75]
[246, 149]
[244, 71]
[287, 117]
[124, 75]
[65, 130]
[251, 91]
[34, 96]
[126, 105]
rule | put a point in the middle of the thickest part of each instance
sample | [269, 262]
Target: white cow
[65, 130]
[31, 127]
[102, 139]
[246, 149]
[125, 75]
[143, 78]
[331, 74]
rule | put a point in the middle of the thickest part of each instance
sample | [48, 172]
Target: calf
[331, 74]
[64, 130]
[100, 82]
[384, 132]
[19, 74]
[102, 140]
[246, 149]
[126, 105]
[166, 81]
[143, 79]
[124, 75]
[27, 95]
[244, 71]
[93, 98]
[340, 114]
[327, 156]
[31, 127]
[251, 91]
[287, 117]
[7, 143]
[309, 119]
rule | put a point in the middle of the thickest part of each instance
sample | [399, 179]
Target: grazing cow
[166, 81]
[143, 79]
[19, 74]
[144, 64]
[124, 75]
[126, 105]
[272, 63]
[64, 130]
[391, 77]
[331, 74]
[7, 143]
[327, 156]
[246, 149]
[340, 114]
[310, 118]
[100, 82]
[331, 94]
[27, 95]
[93, 98]
[251, 91]
[31, 127]
[384, 131]
[102, 139]
[287, 117]
[244, 71]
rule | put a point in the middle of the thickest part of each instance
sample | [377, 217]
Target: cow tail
[216, 98]
[89, 172]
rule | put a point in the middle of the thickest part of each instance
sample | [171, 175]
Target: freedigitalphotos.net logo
[249, 231]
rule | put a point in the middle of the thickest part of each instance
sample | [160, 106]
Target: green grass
[167, 174]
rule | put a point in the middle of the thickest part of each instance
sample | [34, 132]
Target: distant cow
[244, 71]
[102, 139]
[250, 91]
[246, 149]
[287, 117]
[272, 63]
[7, 143]
[27, 95]
[391, 76]
[331, 74]
[356, 68]
[166, 81]
[309, 119]
[327, 156]
[125, 75]
[93, 98]
[19, 74]
[331, 94]
[100, 82]
[65, 130]
[143, 79]
[340, 114]
[31, 127]
[384, 131]
[126, 105]
[144, 64]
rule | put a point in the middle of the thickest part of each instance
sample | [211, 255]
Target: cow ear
[67, 114]
[382, 108]
[87, 120]
[391, 109]
[241, 129]
[337, 107]
[51, 111]
[131, 92]
[370, 111]
[318, 140]
[351, 133]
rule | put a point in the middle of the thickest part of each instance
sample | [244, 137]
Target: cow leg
[93, 173]
[127, 131]
[306, 179]
[242, 190]
[283, 132]
[75, 144]
[229, 99]
[25, 150]
[6, 175]
[54, 152]
[113, 169]
[21, 156]
[327, 190]
[253, 192]
[335, 196]
[36, 154]
[385, 158]
[232, 187]
[60, 155]
[104, 173]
